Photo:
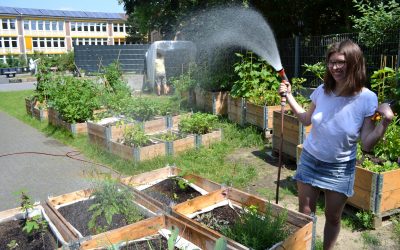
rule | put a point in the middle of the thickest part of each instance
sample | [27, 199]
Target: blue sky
[76, 5]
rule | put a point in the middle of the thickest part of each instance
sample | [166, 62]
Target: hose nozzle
[284, 78]
[282, 74]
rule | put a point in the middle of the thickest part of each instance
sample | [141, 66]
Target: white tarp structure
[170, 48]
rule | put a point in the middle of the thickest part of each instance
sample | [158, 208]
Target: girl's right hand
[285, 87]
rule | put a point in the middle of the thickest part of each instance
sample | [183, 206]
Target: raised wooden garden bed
[236, 110]
[55, 119]
[102, 133]
[378, 193]
[71, 210]
[189, 236]
[11, 224]
[301, 225]
[294, 133]
[33, 109]
[244, 112]
[145, 181]
[160, 148]
[261, 116]
[213, 102]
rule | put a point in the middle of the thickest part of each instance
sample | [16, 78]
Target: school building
[24, 31]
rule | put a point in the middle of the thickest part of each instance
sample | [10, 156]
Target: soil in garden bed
[78, 215]
[12, 230]
[219, 217]
[156, 243]
[170, 193]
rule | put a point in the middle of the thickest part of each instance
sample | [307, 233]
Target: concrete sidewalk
[40, 175]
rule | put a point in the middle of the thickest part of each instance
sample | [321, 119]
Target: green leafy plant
[365, 219]
[376, 20]
[383, 82]
[76, 99]
[297, 90]
[396, 229]
[259, 230]
[197, 123]
[12, 245]
[111, 199]
[168, 136]
[35, 224]
[172, 238]
[135, 136]
[388, 148]
[212, 222]
[318, 69]
[370, 240]
[258, 82]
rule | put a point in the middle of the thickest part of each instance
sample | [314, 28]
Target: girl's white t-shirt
[336, 124]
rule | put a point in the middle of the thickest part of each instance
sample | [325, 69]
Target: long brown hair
[355, 74]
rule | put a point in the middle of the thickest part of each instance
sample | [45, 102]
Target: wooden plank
[70, 197]
[361, 199]
[204, 183]
[184, 144]
[199, 202]
[175, 121]
[155, 125]
[301, 239]
[391, 181]
[364, 179]
[121, 150]
[147, 177]
[134, 231]
[152, 151]
[63, 227]
[209, 138]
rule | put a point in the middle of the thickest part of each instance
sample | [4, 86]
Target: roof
[13, 11]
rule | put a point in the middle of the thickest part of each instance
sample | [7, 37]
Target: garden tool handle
[285, 80]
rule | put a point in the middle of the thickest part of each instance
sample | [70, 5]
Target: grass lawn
[210, 163]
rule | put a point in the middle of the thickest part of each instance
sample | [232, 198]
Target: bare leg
[334, 204]
[166, 89]
[158, 89]
[308, 196]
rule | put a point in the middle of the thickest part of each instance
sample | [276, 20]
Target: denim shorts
[338, 177]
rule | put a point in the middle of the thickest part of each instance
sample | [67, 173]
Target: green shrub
[76, 99]
[258, 82]
[135, 136]
[197, 123]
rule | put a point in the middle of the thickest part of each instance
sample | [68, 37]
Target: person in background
[341, 113]
[161, 79]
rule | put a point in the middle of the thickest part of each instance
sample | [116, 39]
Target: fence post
[296, 56]
[398, 59]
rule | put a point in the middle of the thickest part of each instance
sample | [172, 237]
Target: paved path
[17, 86]
[39, 175]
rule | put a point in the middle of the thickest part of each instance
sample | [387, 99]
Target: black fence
[298, 51]
[92, 58]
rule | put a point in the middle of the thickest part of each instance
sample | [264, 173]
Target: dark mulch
[78, 215]
[169, 193]
[157, 243]
[12, 230]
[219, 217]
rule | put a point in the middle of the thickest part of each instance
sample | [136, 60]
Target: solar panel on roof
[27, 11]
[79, 14]
[8, 10]
[52, 12]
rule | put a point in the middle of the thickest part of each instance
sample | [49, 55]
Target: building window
[41, 42]
[98, 27]
[26, 24]
[8, 24]
[121, 27]
[85, 27]
[115, 27]
[104, 27]
[79, 26]
[33, 25]
[62, 42]
[8, 42]
[40, 25]
[92, 26]
[35, 42]
[60, 25]
[54, 25]
[47, 25]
